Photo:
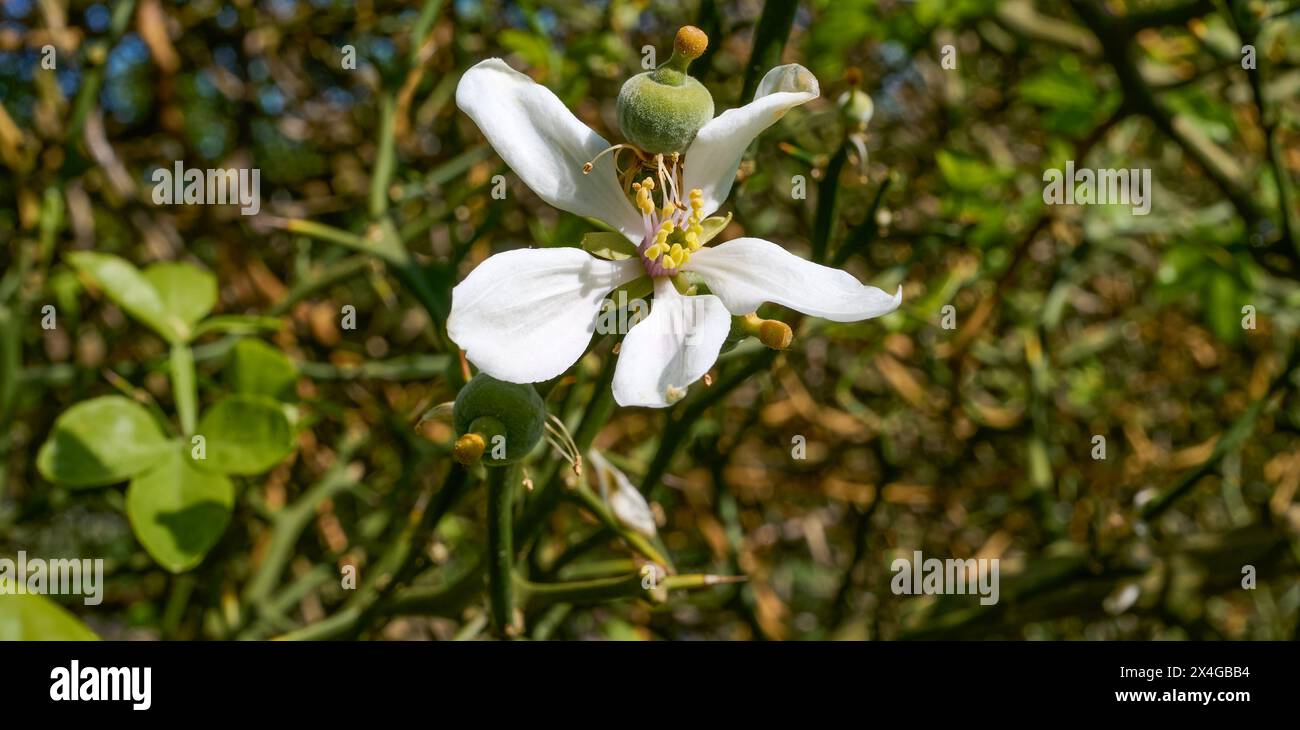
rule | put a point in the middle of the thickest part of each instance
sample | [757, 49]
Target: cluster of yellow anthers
[677, 252]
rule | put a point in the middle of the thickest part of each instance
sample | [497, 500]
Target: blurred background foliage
[1071, 321]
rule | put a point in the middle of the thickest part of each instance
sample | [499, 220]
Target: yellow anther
[690, 41]
[644, 202]
[775, 334]
[668, 210]
[468, 449]
[676, 251]
[648, 183]
[653, 252]
[693, 240]
[771, 332]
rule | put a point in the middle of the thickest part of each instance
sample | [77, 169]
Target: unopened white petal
[623, 498]
[545, 145]
[670, 349]
[526, 315]
[746, 272]
[714, 156]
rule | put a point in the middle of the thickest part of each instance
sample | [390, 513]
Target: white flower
[527, 315]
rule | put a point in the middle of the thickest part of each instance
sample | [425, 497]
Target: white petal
[625, 501]
[746, 272]
[545, 145]
[670, 349]
[713, 157]
[526, 315]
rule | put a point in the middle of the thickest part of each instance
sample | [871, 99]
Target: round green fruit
[493, 408]
[662, 118]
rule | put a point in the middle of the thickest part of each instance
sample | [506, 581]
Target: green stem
[828, 192]
[769, 41]
[501, 484]
[863, 233]
[383, 172]
[291, 522]
[599, 590]
[184, 389]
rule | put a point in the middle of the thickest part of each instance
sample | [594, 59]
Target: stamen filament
[591, 164]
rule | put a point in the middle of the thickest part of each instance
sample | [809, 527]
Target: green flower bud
[661, 111]
[856, 107]
[491, 409]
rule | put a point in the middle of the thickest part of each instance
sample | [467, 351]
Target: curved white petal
[622, 497]
[526, 315]
[545, 145]
[746, 272]
[713, 157]
[670, 349]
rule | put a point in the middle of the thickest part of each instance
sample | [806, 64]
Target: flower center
[673, 225]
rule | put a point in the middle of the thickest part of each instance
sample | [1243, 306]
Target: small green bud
[662, 110]
[856, 107]
[491, 409]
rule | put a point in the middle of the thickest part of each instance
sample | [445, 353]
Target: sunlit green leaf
[187, 292]
[30, 617]
[256, 368]
[122, 283]
[177, 511]
[244, 434]
[101, 441]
